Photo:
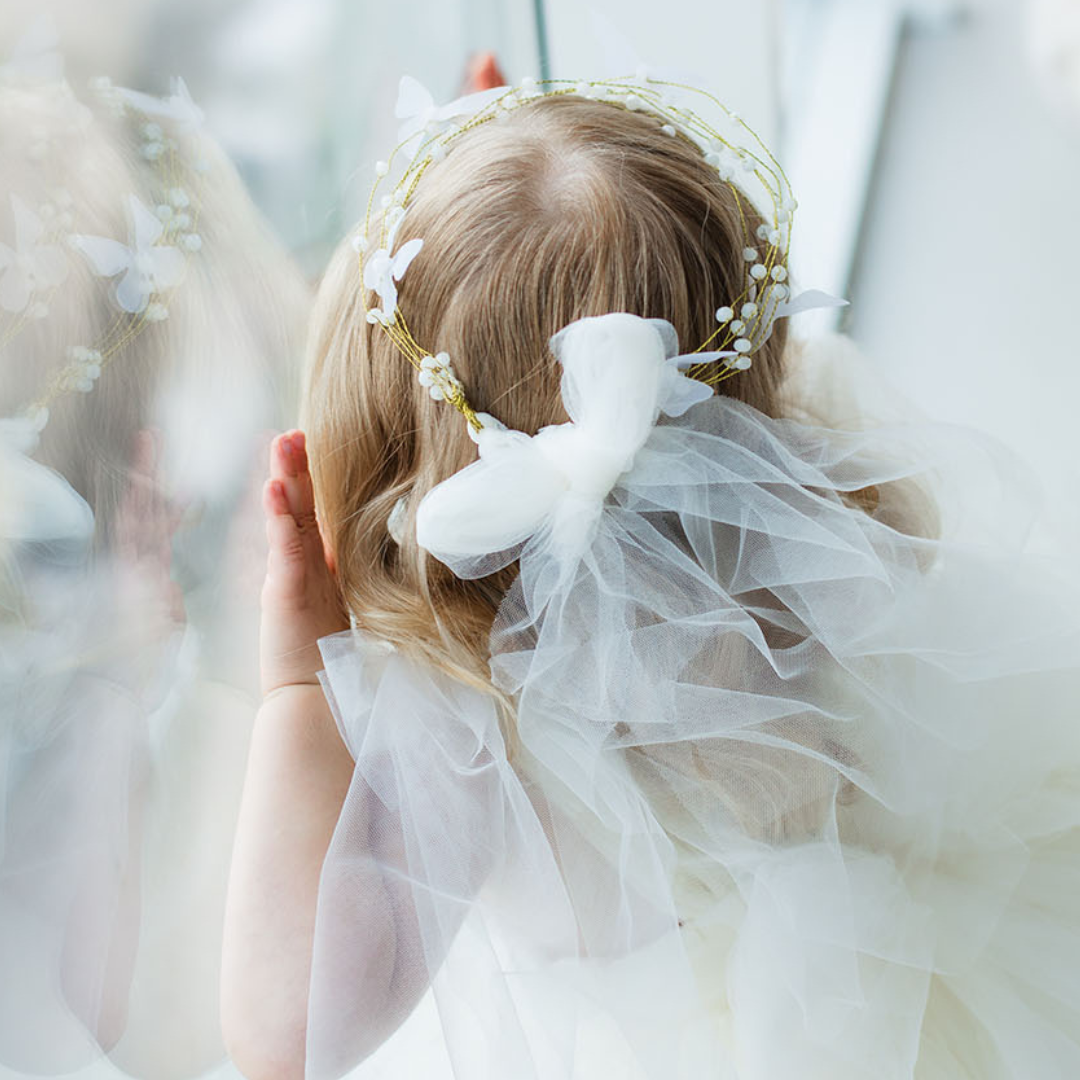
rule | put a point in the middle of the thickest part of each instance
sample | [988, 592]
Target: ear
[328, 553]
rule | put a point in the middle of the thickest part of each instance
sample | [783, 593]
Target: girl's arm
[298, 774]
[375, 965]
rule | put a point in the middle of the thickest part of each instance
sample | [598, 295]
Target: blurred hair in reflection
[130, 559]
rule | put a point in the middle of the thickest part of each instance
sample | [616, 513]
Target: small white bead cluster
[154, 141]
[176, 219]
[759, 304]
[437, 375]
[728, 162]
[86, 368]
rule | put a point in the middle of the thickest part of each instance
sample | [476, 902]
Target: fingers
[289, 503]
[283, 535]
[289, 465]
[147, 516]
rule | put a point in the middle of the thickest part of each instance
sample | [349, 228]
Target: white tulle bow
[619, 373]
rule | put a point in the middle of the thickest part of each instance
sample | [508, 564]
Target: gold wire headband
[743, 325]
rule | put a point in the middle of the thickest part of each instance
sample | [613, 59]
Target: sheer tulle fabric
[125, 717]
[793, 787]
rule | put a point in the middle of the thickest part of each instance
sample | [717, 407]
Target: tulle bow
[619, 373]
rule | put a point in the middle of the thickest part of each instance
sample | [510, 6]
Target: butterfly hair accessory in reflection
[140, 270]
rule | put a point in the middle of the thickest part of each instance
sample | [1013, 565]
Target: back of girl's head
[206, 381]
[223, 360]
[566, 208]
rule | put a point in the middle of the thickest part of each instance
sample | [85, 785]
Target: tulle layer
[792, 788]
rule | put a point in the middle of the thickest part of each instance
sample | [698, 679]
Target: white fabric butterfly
[382, 271]
[150, 267]
[28, 266]
[417, 109]
[178, 106]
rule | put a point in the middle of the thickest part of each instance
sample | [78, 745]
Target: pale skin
[298, 774]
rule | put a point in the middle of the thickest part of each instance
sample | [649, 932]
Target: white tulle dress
[793, 787]
[789, 789]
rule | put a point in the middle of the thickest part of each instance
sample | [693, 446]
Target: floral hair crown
[729, 145]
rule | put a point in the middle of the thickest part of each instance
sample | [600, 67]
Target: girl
[681, 733]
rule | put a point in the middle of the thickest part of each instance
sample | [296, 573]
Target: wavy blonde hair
[566, 209]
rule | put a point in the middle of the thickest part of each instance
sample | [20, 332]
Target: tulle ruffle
[792, 790]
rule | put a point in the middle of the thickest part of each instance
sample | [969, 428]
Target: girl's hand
[300, 598]
[144, 630]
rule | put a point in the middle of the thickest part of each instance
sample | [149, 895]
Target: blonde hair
[567, 208]
[235, 327]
